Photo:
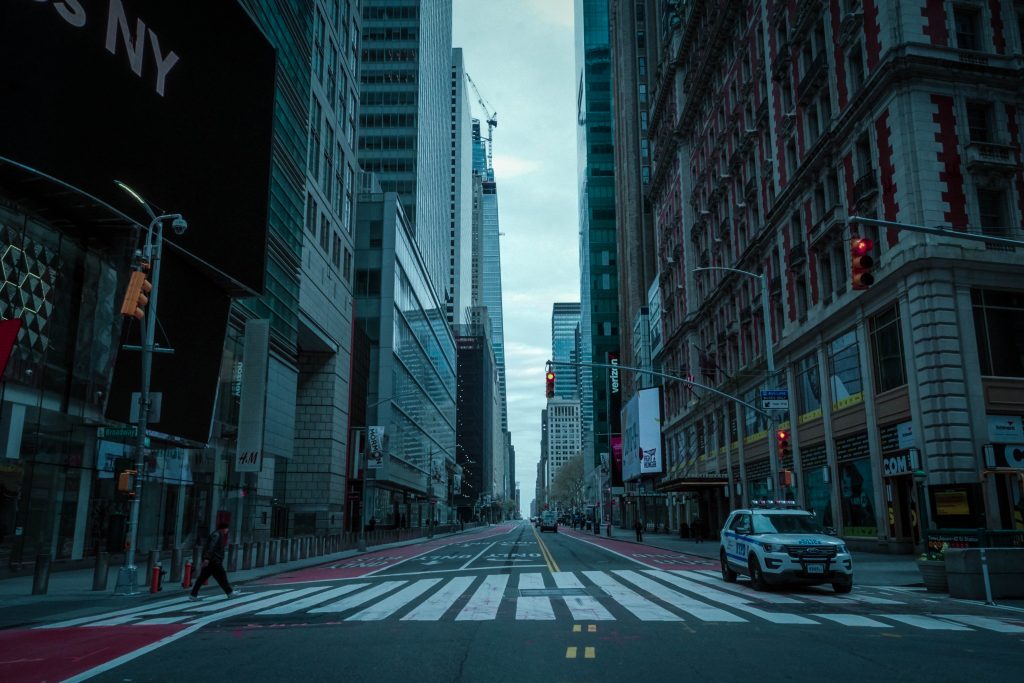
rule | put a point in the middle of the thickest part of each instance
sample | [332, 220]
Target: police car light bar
[774, 503]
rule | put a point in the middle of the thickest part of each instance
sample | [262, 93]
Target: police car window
[785, 524]
[741, 524]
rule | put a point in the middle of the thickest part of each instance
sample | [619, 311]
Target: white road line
[478, 555]
[734, 601]
[359, 598]
[826, 599]
[852, 620]
[251, 597]
[253, 606]
[160, 621]
[452, 571]
[643, 609]
[439, 603]
[987, 623]
[531, 581]
[317, 599]
[872, 600]
[485, 602]
[107, 615]
[699, 609]
[582, 607]
[385, 608]
[120, 621]
[716, 581]
[533, 607]
[927, 623]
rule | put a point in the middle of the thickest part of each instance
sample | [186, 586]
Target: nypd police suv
[775, 542]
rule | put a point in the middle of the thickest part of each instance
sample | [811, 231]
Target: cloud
[509, 166]
[556, 12]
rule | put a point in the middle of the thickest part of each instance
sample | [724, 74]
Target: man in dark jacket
[213, 563]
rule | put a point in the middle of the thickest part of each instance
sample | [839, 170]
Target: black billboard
[173, 98]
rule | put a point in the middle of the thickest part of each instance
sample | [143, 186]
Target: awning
[692, 483]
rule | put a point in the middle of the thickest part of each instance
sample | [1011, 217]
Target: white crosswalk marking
[643, 609]
[701, 610]
[852, 620]
[252, 606]
[440, 602]
[734, 601]
[582, 607]
[484, 604]
[360, 598]
[220, 604]
[317, 599]
[178, 601]
[533, 607]
[927, 623]
[393, 603]
[744, 590]
[987, 623]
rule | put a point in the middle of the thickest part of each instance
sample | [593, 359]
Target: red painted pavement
[368, 563]
[655, 558]
[59, 653]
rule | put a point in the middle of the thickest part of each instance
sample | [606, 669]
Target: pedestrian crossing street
[643, 595]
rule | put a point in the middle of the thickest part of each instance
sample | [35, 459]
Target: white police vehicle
[775, 542]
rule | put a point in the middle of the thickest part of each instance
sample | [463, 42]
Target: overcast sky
[520, 55]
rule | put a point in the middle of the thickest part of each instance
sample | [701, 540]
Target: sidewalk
[870, 569]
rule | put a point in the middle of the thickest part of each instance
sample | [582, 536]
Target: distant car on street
[775, 543]
[548, 522]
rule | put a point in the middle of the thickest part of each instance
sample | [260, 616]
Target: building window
[311, 214]
[992, 211]
[336, 251]
[887, 350]
[856, 68]
[315, 117]
[844, 369]
[979, 121]
[999, 328]
[325, 233]
[808, 386]
[967, 23]
[347, 266]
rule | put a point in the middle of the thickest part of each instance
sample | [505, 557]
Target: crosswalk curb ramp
[651, 595]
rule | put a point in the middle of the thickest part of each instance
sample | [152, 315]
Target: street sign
[117, 432]
[775, 399]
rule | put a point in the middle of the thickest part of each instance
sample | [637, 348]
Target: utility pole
[127, 576]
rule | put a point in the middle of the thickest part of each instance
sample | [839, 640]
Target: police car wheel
[728, 575]
[842, 586]
[756, 575]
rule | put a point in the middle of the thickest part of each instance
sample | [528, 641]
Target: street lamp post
[769, 355]
[127, 581]
[430, 494]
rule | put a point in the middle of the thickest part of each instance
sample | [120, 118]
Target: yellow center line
[548, 558]
[589, 653]
[570, 652]
[592, 628]
[576, 628]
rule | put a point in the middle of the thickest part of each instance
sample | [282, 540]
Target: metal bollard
[176, 557]
[273, 553]
[984, 575]
[197, 559]
[232, 557]
[247, 556]
[99, 574]
[41, 577]
[259, 554]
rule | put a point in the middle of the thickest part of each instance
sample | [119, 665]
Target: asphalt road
[509, 604]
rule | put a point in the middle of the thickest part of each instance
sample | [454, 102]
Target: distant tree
[568, 484]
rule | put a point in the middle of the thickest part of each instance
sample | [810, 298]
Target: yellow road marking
[570, 653]
[576, 628]
[589, 653]
[592, 628]
[548, 558]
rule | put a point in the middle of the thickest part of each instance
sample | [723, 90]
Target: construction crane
[492, 116]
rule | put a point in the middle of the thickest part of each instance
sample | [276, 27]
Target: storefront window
[999, 328]
[808, 385]
[887, 350]
[856, 498]
[844, 370]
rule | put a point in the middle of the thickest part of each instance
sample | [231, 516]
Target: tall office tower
[563, 436]
[459, 294]
[474, 445]
[599, 316]
[631, 58]
[487, 256]
[404, 129]
[325, 296]
[565, 321]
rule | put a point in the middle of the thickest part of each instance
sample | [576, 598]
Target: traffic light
[861, 263]
[785, 478]
[785, 449]
[136, 297]
[549, 389]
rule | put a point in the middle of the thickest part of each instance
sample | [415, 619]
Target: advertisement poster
[641, 442]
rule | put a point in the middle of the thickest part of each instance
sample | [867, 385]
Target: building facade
[562, 431]
[460, 209]
[474, 446]
[775, 127]
[565, 324]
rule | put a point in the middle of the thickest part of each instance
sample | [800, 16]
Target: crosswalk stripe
[826, 599]
[484, 604]
[530, 608]
[853, 620]
[317, 599]
[744, 590]
[178, 607]
[734, 601]
[393, 603]
[701, 610]
[217, 605]
[582, 607]
[181, 600]
[872, 600]
[927, 623]
[359, 598]
[252, 606]
[987, 623]
[643, 609]
[439, 603]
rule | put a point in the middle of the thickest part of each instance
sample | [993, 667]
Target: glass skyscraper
[565, 321]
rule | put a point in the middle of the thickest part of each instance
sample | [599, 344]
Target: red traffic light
[861, 263]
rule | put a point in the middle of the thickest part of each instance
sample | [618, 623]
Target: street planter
[933, 573]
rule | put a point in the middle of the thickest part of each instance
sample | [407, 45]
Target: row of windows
[389, 165]
[390, 120]
[388, 97]
[400, 12]
[399, 76]
[387, 142]
[389, 55]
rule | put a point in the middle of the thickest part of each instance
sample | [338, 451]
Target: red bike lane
[372, 562]
[655, 558]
